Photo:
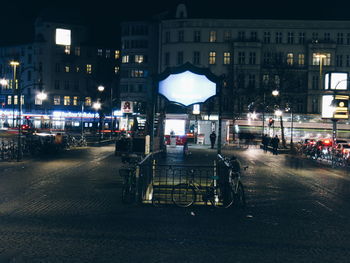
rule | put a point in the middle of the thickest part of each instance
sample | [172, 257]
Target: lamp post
[320, 57]
[97, 106]
[101, 88]
[16, 64]
[43, 96]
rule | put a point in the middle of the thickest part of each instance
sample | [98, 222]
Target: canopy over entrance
[187, 85]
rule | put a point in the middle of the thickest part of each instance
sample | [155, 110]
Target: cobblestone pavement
[68, 209]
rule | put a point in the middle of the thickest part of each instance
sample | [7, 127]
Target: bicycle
[129, 188]
[185, 194]
[234, 181]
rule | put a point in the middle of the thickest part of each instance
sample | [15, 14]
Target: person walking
[265, 142]
[275, 141]
[212, 139]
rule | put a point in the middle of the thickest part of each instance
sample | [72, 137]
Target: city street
[68, 209]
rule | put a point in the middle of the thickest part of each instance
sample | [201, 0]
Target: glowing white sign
[177, 126]
[336, 81]
[187, 88]
[63, 37]
[327, 108]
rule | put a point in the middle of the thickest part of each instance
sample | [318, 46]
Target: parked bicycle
[185, 194]
[128, 173]
[234, 180]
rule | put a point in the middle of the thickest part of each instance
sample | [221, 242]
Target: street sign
[127, 107]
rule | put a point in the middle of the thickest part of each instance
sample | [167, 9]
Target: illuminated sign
[127, 107]
[336, 81]
[177, 126]
[187, 88]
[335, 107]
[196, 109]
[63, 37]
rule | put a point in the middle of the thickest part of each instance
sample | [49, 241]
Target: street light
[275, 93]
[278, 113]
[15, 64]
[101, 88]
[43, 96]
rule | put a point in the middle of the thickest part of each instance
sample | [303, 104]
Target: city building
[57, 75]
[254, 57]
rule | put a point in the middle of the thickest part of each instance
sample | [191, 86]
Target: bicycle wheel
[222, 197]
[183, 195]
[128, 194]
[239, 197]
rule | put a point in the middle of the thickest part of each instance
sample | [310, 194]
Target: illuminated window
[77, 51]
[212, 36]
[125, 59]
[212, 57]
[290, 58]
[66, 100]
[326, 59]
[9, 100]
[75, 100]
[77, 69]
[108, 53]
[87, 101]
[116, 54]
[138, 73]
[38, 101]
[116, 69]
[301, 59]
[139, 58]
[99, 52]
[57, 100]
[67, 50]
[88, 69]
[227, 58]
[67, 69]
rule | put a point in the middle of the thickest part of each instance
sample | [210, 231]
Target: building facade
[254, 57]
[62, 64]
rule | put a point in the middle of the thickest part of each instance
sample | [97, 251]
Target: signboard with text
[335, 106]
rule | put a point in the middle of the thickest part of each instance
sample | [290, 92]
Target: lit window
[9, 100]
[301, 59]
[87, 101]
[67, 50]
[139, 59]
[38, 101]
[99, 52]
[116, 54]
[57, 100]
[326, 59]
[227, 58]
[212, 36]
[66, 101]
[116, 69]
[212, 57]
[88, 69]
[125, 59]
[67, 69]
[108, 53]
[77, 69]
[290, 58]
[77, 51]
[75, 100]
[15, 99]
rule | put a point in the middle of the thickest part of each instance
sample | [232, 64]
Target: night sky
[103, 16]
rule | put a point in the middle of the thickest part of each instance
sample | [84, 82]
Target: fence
[157, 181]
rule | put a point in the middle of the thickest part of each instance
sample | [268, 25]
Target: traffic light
[271, 121]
